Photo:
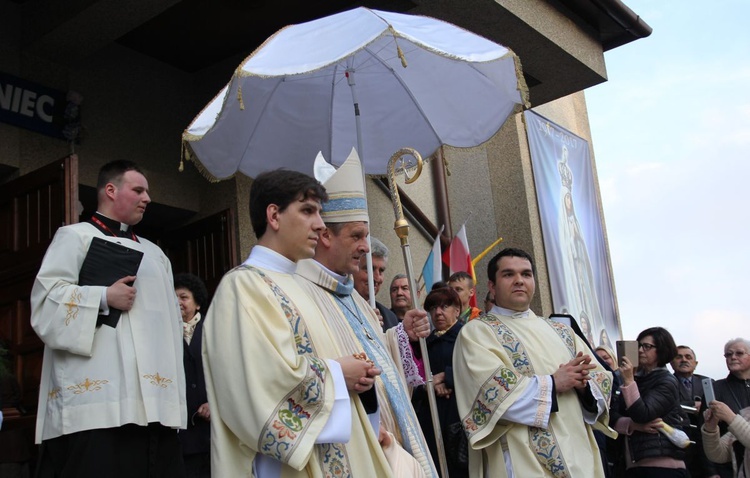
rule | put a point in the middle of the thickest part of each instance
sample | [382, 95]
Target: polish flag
[458, 257]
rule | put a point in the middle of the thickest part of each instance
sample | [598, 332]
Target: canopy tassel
[182, 158]
[398, 48]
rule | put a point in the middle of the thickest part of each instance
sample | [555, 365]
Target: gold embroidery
[87, 386]
[158, 380]
[72, 305]
[54, 393]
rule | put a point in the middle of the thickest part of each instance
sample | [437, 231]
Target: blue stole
[398, 395]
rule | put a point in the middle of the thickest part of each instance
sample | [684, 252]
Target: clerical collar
[497, 310]
[265, 258]
[112, 227]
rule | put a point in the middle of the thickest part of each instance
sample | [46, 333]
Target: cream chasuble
[494, 362]
[270, 389]
[357, 330]
[106, 377]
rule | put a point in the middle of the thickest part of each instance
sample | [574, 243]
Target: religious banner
[572, 228]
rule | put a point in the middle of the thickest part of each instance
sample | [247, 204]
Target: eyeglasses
[739, 354]
[646, 347]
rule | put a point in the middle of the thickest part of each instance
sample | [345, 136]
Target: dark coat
[389, 318]
[735, 392]
[660, 398]
[440, 350]
[695, 458]
[197, 437]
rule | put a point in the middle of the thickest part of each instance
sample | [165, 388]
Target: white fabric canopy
[295, 99]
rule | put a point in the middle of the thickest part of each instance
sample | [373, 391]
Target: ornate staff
[402, 231]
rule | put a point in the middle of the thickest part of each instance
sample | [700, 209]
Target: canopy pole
[352, 86]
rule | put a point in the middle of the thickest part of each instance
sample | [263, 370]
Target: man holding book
[112, 392]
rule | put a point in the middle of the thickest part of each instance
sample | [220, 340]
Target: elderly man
[379, 254]
[691, 393]
[734, 390]
[327, 278]
[400, 295]
[287, 400]
[527, 390]
[463, 284]
[113, 387]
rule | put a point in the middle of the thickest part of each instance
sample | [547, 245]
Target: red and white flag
[457, 257]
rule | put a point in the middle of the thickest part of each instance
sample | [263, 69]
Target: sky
[671, 137]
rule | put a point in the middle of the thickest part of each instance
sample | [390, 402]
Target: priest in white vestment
[528, 391]
[112, 376]
[328, 279]
[286, 399]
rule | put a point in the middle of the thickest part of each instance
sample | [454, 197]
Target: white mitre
[345, 187]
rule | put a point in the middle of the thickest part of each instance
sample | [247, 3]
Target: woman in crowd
[196, 440]
[720, 449]
[734, 390]
[444, 306]
[605, 353]
[647, 397]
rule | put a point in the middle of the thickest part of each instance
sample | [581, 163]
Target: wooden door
[205, 248]
[32, 208]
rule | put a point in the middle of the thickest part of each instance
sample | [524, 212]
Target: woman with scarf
[444, 307]
[192, 297]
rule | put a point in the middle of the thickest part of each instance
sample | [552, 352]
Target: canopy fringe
[239, 96]
[187, 154]
[521, 81]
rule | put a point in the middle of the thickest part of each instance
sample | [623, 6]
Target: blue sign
[32, 106]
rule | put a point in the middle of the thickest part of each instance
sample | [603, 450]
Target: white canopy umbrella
[376, 80]
[417, 81]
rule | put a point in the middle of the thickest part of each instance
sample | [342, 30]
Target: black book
[105, 263]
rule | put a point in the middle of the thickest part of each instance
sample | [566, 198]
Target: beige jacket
[719, 448]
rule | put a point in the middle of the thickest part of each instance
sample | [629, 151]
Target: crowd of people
[290, 372]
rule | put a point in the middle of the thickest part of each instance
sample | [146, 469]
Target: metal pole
[370, 277]
[401, 226]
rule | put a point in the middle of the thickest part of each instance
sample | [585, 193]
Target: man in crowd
[527, 390]
[734, 390]
[691, 395]
[400, 296]
[112, 392]
[327, 279]
[286, 399]
[379, 254]
[463, 284]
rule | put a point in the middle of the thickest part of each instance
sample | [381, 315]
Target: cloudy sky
[671, 136]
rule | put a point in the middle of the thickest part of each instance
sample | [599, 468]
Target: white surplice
[106, 377]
